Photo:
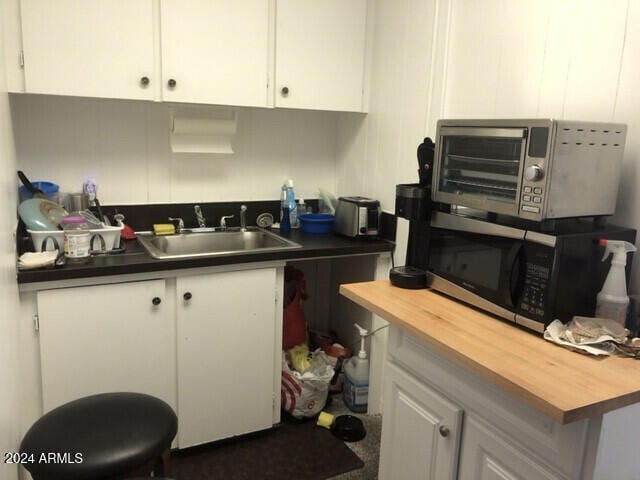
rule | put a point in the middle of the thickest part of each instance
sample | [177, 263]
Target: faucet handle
[223, 220]
[180, 223]
[243, 217]
[199, 216]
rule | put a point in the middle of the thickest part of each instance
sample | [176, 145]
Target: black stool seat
[114, 432]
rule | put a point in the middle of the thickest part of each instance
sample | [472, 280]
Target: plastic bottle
[285, 218]
[77, 248]
[293, 207]
[612, 301]
[283, 199]
[302, 207]
[356, 378]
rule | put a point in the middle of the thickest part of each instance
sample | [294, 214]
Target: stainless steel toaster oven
[535, 169]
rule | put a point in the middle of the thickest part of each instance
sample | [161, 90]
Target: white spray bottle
[356, 381]
[613, 301]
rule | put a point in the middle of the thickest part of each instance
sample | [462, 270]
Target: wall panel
[124, 146]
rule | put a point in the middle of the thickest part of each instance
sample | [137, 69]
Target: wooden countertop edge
[560, 415]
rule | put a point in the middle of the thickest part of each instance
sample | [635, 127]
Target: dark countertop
[135, 259]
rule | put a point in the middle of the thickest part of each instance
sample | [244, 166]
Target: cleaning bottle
[285, 217]
[293, 207]
[356, 378]
[612, 301]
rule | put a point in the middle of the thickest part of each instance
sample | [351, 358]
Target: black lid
[348, 428]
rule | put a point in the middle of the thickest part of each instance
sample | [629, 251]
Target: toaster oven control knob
[533, 173]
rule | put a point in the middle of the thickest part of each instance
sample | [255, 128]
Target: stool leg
[165, 465]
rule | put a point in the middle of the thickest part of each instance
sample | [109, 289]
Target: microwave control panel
[534, 291]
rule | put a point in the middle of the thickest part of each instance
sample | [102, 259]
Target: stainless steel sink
[213, 242]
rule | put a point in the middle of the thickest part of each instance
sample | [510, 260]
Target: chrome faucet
[223, 220]
[243, 217]
[180, 224]
[199, 217]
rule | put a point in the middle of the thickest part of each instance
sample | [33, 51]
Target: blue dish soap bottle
[285, 218]
[291, 203]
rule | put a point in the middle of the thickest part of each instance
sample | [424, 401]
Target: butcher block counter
[564, 385]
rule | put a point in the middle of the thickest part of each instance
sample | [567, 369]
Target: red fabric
[294, 282]
[293, 324]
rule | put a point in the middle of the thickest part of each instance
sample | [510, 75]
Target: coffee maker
[413, 202]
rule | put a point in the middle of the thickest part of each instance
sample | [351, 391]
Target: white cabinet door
[320, 53]
[216, 51]
[487, 456]
[90, 48]
[106, 338]
[420, 430]
[226, 348]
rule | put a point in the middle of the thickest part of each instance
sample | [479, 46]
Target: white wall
[378, 151]
[9, 367]
[125, 147]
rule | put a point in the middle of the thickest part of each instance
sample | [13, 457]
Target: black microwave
[526, 276]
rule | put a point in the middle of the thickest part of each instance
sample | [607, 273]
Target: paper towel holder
[203, 131]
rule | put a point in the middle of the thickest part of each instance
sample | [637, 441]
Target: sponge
[164, 229]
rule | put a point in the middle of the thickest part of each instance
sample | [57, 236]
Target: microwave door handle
[509, 291]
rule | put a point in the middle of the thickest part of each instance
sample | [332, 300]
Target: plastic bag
[304, 395]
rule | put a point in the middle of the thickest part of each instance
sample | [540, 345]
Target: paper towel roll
[203, 135]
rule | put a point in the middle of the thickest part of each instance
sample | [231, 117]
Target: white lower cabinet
[209, 345]
[229, 333]
[487, 456]
[442, 422]
[106, 338]
[421, 430]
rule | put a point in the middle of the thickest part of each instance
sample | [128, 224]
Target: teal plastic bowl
[316, 222]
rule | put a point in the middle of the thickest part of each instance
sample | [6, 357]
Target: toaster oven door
[480, 167]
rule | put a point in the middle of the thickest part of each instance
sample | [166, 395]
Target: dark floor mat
[295, 451]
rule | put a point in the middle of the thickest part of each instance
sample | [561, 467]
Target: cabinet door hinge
[21, 58]
[36, 322]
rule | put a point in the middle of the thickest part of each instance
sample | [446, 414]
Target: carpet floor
[367, 449]
[291, 451]
[296, 450]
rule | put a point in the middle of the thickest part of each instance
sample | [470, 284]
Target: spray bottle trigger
[603, 243]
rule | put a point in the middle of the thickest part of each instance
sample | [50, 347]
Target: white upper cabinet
[307, 54]
[320, 54]
[215, 51]
[92, 48]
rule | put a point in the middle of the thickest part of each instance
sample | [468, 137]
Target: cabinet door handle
[187, 296]
[144, 81]
[156, 300]
[284, 91]
[444, 431]
[172, 83]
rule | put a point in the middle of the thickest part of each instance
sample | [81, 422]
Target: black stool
[115, 433]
